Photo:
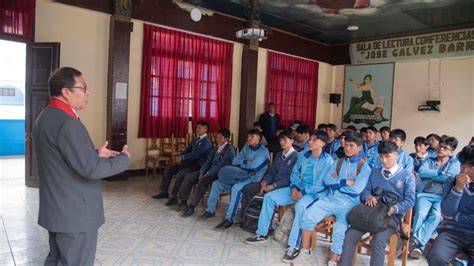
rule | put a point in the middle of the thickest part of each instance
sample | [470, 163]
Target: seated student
[471, 142]
[306, 187]
[189, 161]
[247, 167]
[258, 127]
[433, 173]
[340, 151]
[371, 144]
[420, 156]
[333, 143]
[384, 133]
[277, 176]
[220, 156]
[390, 178]
[346, 180]
[301, 137]
[456, 232]
[403, 159]
[363, 133]
[274, 144]
[433, 140]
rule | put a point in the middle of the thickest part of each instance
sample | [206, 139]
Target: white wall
[412, 88]
[84, 38]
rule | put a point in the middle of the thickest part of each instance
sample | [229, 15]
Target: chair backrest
[271, 160]
[167, 144]
[181, 144]
[152, 146]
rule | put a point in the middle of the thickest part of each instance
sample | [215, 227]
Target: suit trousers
[72, 248]
[180, 170]
[189, 181]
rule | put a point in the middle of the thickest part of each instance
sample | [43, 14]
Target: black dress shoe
[161, 195]
[171, 202]
[224, 225]
[188, 212]
[207, 215]
[180, 207]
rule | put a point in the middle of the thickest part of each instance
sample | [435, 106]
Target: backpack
[375, 219]
[251, 214]
[282, 232]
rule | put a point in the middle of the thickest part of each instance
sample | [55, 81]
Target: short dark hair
[420, 141]
[285, 134]
[332, 127]
[450, 141]
[434, 135]
[280, 127]
[271, 103]
[203, 123]
[372, 128]
[387, 146]
[302, 129]
[466, 155]
[321, 126]
[363, 130]
[321, 135]
[63, 77]
[385, 128]
[224, 132]
[398, 133]
[355, 137]
[257, 124]
[351, 128]
[255, 132]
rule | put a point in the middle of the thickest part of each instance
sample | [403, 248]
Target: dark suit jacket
[266, 122]
[70, 170]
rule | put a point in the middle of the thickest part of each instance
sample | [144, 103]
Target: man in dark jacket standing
[69, 170]
[269, 121]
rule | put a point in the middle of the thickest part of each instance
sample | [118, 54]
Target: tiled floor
[138, 231]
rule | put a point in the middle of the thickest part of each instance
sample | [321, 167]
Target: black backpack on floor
[251, 213]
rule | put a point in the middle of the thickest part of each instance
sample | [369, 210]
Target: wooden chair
[270, 161]
[325, 227]
[154, 156]
[393, 250]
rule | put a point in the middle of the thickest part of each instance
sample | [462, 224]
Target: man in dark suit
[269, 121]
[70, 172]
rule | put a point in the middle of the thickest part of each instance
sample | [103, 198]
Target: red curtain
[292, 85]
[184, 77]
[17, 18]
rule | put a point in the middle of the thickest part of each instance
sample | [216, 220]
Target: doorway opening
[12, 111]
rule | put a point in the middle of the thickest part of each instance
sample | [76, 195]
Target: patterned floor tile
[134, 228]
[242, 253]
[140, 260]
[158, 247]
[118, 243]
[109, 258]
[199, 251]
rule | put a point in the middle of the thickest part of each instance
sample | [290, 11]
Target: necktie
[386, 173]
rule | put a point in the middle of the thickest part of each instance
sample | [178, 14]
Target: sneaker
[206, 215]
[290, 254]
[161, 195]
[171, 202]
[305, 256]
[412, 245]
[224, 225]
[256, 239]
[188, 212]
[416, 253]
[332, 263]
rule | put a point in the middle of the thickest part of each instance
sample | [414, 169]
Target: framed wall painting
[368, 91]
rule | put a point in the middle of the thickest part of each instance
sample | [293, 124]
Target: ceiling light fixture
[353, 27]
[196, 14]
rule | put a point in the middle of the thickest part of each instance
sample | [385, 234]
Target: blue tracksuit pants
[282, 197]
[324, 207]
[427, 217]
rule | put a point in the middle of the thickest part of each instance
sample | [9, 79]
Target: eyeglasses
[83, 89]
[445, 147]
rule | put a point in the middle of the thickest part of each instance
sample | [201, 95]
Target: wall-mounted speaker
[335, 98]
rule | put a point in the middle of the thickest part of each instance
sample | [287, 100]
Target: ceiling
[326, 21]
